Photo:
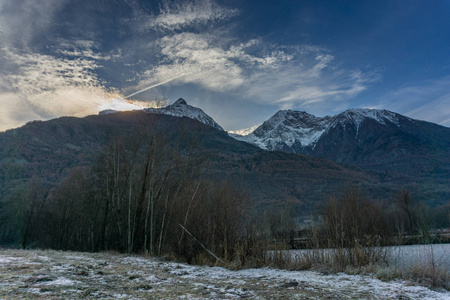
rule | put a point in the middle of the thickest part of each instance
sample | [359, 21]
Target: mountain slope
[48, 150]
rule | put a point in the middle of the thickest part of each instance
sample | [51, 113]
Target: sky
[238, 60]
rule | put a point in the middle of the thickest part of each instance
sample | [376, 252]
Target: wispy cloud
[205, 62]
[290, 76]
[306, 79]
[36, 72]
[428, 100]
[176, 15]
[196, 49]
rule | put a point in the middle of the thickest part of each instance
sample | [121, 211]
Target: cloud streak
[177, 15]
[153, 86]
[427, 100]
[35, 72]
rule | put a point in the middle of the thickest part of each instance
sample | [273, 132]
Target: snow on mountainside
[181, 109]
[290, 130]
[357, 116]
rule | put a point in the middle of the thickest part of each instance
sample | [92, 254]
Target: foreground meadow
[73, 275]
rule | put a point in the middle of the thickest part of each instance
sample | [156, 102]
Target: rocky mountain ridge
[372, 139]
[289, 130]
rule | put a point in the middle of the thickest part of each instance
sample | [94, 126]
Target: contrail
[150, 87]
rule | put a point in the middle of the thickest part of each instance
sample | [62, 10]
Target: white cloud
[436, 111]
[199, 59]
[17, 109]
[307, 78]
[175, 15]
[289, 76]
[245, 131]
[35, 72]
[299, 74]
[37, 86]
[72, 101]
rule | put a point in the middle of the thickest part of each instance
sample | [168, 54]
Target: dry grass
[430, 268]
[427, 269]
[72, 275]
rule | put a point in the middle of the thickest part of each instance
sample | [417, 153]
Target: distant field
[71, 275]
[407, 256]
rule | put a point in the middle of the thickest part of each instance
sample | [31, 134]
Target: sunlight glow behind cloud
[49, 87]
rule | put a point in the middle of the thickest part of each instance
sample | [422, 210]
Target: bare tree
[38, 195]
[405, 203]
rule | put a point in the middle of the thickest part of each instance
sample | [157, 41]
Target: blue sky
[240, 61]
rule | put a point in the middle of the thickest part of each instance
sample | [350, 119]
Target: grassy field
[70, 275]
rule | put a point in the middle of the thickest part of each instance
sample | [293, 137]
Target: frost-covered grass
[70, 275]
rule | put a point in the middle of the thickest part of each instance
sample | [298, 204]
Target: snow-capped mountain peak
[288, 130]
[360, 114]
[180, 108]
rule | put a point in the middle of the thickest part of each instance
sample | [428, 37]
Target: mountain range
[409, 150]
[373, 139]
[293, 159]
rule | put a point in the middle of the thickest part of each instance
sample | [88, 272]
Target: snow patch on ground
[61, 281]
